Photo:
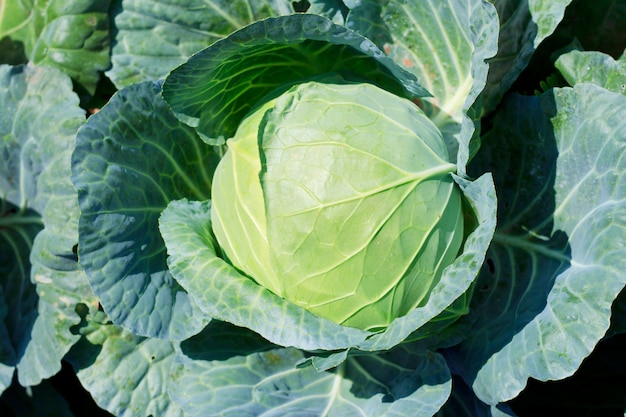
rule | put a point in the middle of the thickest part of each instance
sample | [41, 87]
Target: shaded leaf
[524, 25]
[217, 86]
[555, 266]
[42, 283]
[18, 301]
[131, 159]
[42, 400]
[463, 402]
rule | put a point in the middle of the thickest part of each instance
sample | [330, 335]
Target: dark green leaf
[42, 400]
[523, 26]
[131, 159]
[219, 85]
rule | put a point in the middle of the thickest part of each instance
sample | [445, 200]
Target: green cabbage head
[339, 198]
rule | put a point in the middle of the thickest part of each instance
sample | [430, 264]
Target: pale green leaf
[125, 374]
[593, 67]
[42, 282]
[445, 44]
[223, 293]
[357, 232]
[155, 36]
[546, 14]
[457, 279]
[401, 382]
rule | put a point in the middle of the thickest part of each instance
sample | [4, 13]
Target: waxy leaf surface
[556, 263]
[155, 36]
[41, 280]
[131, 159]
[253, 379]
[215, 88]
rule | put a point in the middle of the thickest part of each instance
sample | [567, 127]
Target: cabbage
[338, 197]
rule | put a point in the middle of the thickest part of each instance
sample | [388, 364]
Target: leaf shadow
[526, 255]
[18, 229]
[396, 374]
[220, 341]
[12, 52]
[83, 354]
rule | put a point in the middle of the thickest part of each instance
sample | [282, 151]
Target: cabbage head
[338, 197]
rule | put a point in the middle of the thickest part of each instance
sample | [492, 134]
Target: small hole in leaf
[491, 266]
[301, 6]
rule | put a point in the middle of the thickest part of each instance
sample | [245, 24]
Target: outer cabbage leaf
[70, 35]
[594, 67]
[445, 44]
[217, 87]
[125, 374]
[18, 304]
[131, 159]
[41, 280]
[556, 264]
[240, 375]
[224, 293]
[155, 36]
[525, 24]
[463, 402]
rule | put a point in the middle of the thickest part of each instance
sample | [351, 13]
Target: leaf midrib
[415, 178]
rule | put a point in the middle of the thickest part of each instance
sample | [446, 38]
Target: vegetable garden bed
[313, 208]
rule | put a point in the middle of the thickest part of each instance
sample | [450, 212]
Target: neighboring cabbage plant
[314, 201]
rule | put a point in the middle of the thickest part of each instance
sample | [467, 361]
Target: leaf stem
[523, 242]
[334, 391]
[13, 220]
